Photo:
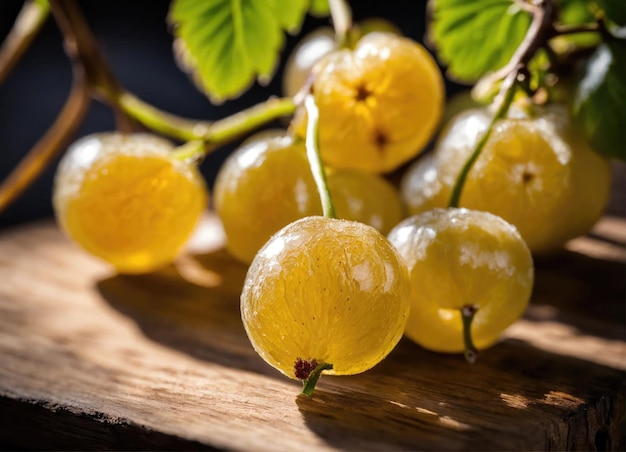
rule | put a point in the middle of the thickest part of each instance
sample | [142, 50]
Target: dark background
[137, 42]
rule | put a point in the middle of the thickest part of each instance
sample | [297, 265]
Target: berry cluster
[337, 294]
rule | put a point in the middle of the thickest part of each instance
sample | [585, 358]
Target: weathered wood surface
[94, 360]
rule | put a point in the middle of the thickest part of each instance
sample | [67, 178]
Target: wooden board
[94, 360]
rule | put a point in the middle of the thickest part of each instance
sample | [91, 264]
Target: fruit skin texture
[266, 184]
[379, 104]
[331, 290]
[535, 172]
[318, 43]
[459, 257]
[125, 200]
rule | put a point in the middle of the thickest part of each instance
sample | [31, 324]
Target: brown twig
[50, 144]
[540, 30]
[82, 46]
[90, 72]
[27, 24]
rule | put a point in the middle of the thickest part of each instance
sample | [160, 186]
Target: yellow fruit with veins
[326, 291]
[379, 104]
[534, 171]
[267, 183]
[125, 200]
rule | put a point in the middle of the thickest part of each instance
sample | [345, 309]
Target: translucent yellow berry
[460, 258]
[125, 200]
[379, 104]
[325, 291]
[534, 171]
[267, 183]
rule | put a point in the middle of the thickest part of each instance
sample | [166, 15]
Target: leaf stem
[540, 31]
[308, 385]
[467, 315]
[314, 156]
[26, 26]
[509, 86]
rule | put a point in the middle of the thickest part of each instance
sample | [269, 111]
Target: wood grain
[94, 360]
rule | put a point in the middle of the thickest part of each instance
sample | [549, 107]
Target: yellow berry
[267, 183]
[534, 171]
[333, 291]
[458, 258]
[125, 200]
[379, 104]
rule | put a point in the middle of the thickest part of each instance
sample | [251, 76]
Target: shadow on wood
[200, 318]
[515, 396]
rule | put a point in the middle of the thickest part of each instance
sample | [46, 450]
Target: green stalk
[315, 159]
[159, 121]
[507, 99]
[190, 152]
[245, 121]
[308, 385]
[467, 314]
[213, 133]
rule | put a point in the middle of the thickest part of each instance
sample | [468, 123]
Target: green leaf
[614, 10]
[473, 37]
[598, 101]
[226, 44]
[320, 8]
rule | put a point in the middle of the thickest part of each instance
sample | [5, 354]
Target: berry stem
[191, 152]
[27, 24]
[467, 314]
[308, 385]
[510, 83]
[540, 31]
[213, 133]
[315, 159]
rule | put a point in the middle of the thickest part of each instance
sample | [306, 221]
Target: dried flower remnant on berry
[303, 368]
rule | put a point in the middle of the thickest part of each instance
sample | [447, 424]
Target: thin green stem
[160, 121]
[213, 133]
[507, 98]
[245, 121]
[467, 315]
[314, 156]
[27, 24]
[308, 385]
[190, 152]
[564, 29]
